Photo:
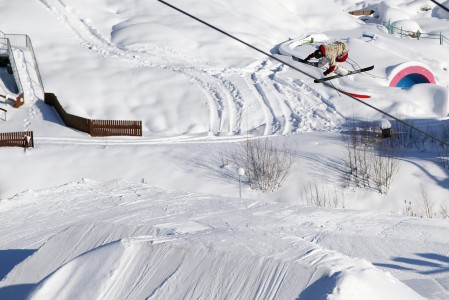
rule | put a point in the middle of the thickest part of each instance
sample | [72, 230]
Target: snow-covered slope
[134, 52]
[121, 240]
[198, 94]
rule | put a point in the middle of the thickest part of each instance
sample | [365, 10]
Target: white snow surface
[123, 240]
[158, 216]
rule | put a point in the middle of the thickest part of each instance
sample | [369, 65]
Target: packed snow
[159, 216]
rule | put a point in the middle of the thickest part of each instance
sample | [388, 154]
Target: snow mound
[407, 25]
[389, 12]
[423, 100]
[218, 266]
[285, 250]
[368, 285]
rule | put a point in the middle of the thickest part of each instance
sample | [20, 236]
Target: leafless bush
[358, 146]
[427, 205]
[443, 155]
[384, 168]
[370, 162]
[444, 130]
[322, 197]
[266, 166]
[406, 137]
[444, 212]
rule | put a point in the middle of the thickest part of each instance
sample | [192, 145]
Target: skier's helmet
[317, 54]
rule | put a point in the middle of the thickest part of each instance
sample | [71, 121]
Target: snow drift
[212, 265]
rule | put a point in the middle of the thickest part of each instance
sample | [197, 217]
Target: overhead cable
[303, 72]
[441, 5]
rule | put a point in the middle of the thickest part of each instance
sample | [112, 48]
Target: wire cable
[307, 74]
[441, 5]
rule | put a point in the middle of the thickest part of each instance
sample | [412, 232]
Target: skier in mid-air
[330, 55]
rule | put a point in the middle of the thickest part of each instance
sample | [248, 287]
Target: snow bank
[389, 12]
[281, 249]
[369, 285]
[217, 265]
[407, 25]
[423, 100]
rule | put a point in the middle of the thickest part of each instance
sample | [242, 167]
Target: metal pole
[241, 172]
[240, 186]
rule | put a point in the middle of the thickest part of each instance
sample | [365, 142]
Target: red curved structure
[412, 75]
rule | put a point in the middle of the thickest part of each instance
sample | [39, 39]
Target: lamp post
[241, 172]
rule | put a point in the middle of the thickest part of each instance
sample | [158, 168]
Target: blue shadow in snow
[11, 258]
[434, 263]
[16, 292]
[391, 266]
[320, 289]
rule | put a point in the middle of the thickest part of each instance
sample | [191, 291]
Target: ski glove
[330, 70]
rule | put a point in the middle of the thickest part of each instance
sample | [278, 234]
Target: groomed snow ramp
[203, 266]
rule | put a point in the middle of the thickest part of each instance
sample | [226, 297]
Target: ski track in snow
[286, 108]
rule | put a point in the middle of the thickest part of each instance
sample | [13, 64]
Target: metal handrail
[23, 40]
[412, 34]
[14, 67]
[30, 47]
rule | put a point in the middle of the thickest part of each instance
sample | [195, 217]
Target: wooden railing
[95, 127]
[115, 127]
[23, 139]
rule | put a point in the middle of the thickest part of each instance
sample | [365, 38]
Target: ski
[323, 80]
[362, 96]
[315, 64]
[338, 76]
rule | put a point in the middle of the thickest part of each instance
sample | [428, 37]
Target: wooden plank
[361, 12]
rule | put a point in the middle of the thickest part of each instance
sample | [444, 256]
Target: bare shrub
[444, 212]
[384, 168]
[370, 161]
[266, 166]
[314, 195]
[443, 155]
[406, 137]
[358, 146]
[427, 205]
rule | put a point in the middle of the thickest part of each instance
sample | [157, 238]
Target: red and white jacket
[336, 52]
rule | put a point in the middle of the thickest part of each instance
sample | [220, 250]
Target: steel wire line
[305, 73]
[441, 5]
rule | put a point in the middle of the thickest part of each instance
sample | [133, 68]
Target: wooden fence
[95, 127]
[23, 139]
[115, 127]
